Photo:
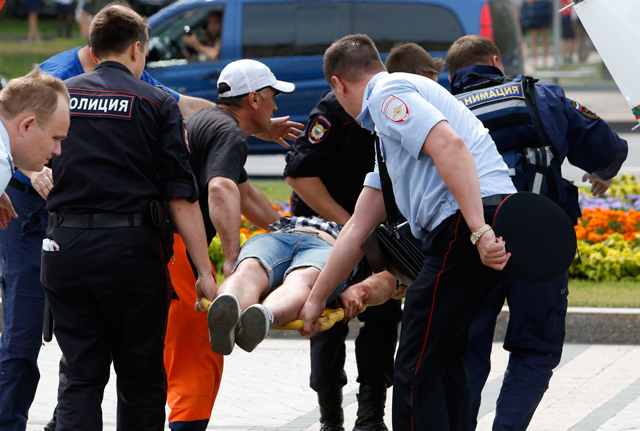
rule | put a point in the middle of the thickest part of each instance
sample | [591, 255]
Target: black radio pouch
[162, 219]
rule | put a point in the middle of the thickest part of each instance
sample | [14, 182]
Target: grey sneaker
[222, 319]
[254, 327]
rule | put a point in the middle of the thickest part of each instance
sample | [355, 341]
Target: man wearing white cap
[217, 137]
[218, 140]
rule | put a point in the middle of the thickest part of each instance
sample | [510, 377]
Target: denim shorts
[279, 253]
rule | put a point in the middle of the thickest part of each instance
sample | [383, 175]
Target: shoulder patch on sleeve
[584, 111]
[395, 109]
[319, 130]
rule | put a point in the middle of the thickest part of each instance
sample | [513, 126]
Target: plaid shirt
[289, 223]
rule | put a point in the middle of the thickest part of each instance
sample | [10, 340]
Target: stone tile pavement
[596, 387]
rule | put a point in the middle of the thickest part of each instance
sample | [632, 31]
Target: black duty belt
[493, 200]
[25, 188]
[98, 221]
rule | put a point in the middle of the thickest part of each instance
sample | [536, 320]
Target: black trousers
[375, 349]
[431, 388]
[108, 291]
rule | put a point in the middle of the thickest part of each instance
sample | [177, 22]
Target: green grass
[17, 56]
[616, 294]
[16, 27]
[274, 190]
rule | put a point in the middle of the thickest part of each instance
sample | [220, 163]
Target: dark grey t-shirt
[218, 149]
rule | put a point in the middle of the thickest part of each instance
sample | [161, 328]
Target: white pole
[556, 40]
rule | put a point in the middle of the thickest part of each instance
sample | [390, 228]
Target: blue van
[290, 36]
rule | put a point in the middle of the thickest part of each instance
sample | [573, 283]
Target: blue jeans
[281, 252]
[22, 308]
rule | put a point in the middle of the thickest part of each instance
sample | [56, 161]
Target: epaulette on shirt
[163, 89]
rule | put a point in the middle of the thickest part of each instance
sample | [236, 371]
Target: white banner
[614, 26]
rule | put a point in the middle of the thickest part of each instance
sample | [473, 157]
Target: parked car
[290, 36]
[149, 7]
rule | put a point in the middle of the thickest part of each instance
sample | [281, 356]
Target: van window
[166, 43]
[267, 29]
[432, 27]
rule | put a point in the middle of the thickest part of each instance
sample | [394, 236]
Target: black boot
[331, 415]
[51, 426]
[371, 401]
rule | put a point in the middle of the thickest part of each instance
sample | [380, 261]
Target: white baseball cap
[245, 76]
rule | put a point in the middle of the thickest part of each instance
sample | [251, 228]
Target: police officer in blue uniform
[327, 164]
[20, 247]
[535, 127]
[448, 180]
[104, 260]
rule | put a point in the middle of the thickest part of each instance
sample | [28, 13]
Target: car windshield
[166, 41]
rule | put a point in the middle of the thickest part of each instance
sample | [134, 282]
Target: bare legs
[250, 280]
[61, 21]
[545, 45]
[236, 318]
[34, 35]
[84, 24]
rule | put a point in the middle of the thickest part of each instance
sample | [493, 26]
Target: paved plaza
[596, 387]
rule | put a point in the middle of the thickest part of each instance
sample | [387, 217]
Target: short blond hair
[37, 92]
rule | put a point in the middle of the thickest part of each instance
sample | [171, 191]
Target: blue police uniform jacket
[524, 115]
[334, 148]
[66, 65]
[126, 146]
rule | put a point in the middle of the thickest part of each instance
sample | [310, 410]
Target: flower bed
[609, 233]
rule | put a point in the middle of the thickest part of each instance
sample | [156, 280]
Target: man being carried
[280, 268]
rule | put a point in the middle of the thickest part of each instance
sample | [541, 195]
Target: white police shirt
[402, 109]
[6, 162]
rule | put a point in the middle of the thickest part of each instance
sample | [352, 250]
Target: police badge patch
[319, 130]
[584, 111]
[395, 109]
